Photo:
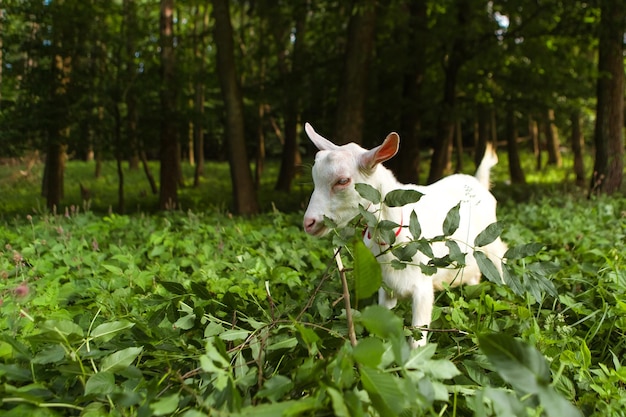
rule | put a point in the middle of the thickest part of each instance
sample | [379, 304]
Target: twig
[346, 297]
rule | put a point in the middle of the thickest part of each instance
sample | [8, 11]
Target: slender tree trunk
[608, 134]
[353, 87]
[482, 133]
[168, 196]
[54, 173]
[535, 139]
[290, 154]
[130, 24]
[243, 184]
[119, 157]
[406, 164]
[552, 140]
[515, 167]
[198, 124]
[578, 144]
[459, 146]
[447, 112]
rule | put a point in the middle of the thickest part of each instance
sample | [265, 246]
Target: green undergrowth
[194, 314]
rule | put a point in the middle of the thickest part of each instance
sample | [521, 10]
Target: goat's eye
[343, 181]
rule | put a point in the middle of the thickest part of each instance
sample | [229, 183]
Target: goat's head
[335, 172]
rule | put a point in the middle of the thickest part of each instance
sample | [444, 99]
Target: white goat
[336, 171]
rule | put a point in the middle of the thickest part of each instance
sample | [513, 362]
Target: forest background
[193, 80]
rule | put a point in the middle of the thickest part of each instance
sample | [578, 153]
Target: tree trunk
[168, 196]
[608, 134]
[131, 30]
[482, 133]
[535, 139]
[445, 125]
[552, 140]
[406, 164]
[515, 167]
[119, 157]
[243, 185]
[578, 144]
[198, 123]
[353, 87]
[54, 172]
[447, 112]
[458, 135]
[290, 154]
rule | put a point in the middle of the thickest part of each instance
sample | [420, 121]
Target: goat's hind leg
[423, 300]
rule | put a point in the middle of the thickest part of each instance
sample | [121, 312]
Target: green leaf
[555, 405]
[201, 291]
[414, 226]
[405, 253]
[234, 334]
[340, 409]
[115, 270]
[102, 383]
[106, 331]
[368, 192]
[522, 251]
[455, 252]
[511, 279]
[452, 220]
[519, 364]
[399, 198]
[120, 360]
[384, 390]
[174, 287]
[50, 354]
[165, 405]
[367, 273]
[381, 322]
[369, 352]
[275, 388]
[63, 327]
[286, 343]
[488, 235]
[487, 267]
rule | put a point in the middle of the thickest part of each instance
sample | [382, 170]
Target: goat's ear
[382, 152]
[318, 140]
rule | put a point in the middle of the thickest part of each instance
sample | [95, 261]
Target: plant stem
[346, 298]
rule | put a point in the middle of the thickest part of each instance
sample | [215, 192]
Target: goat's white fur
[338, 168]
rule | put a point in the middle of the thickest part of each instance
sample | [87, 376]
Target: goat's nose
[309, 224]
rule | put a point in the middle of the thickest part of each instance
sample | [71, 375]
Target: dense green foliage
[190, 313]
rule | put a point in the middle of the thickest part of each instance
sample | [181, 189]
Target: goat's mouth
[318, 231]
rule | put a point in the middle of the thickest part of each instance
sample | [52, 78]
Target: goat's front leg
[423, 300]
[385, 300]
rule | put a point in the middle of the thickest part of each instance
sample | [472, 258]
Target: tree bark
[198, 123]
[130, 23]
[447, 111]
[515, 167]
[168, 196]
[290, 154]
[608, 134]
[483, 133]
[406, 163]
[535, 139]
[54, 172]
[552, 140]
[353, 87]
[243, 185]
[578, 144]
